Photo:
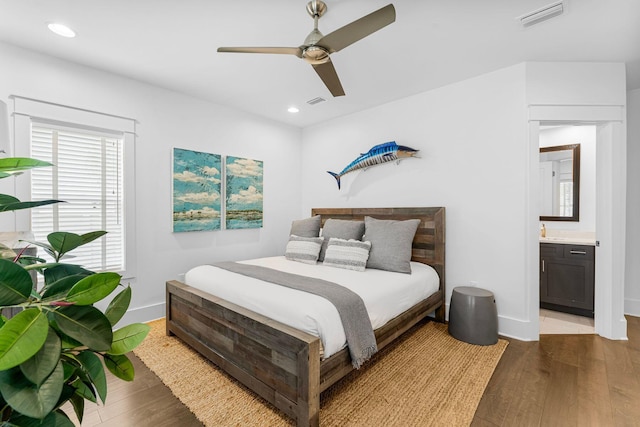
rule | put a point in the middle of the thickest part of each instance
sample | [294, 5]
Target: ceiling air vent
[315, 101]
[547, 12]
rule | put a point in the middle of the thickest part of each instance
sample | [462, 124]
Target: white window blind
[88, 176]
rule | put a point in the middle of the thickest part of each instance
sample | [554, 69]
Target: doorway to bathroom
[610, 216]
[567, 228]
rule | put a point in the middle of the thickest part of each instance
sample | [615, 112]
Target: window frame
[27, 110]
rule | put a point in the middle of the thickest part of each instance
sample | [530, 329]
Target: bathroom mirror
[560, 183]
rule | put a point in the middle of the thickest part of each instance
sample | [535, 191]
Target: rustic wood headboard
[429, 241]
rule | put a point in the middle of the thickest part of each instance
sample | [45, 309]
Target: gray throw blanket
[353, 313]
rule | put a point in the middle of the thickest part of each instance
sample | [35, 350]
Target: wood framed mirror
[560, 183]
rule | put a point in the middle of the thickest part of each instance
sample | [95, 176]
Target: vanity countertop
[588, 241]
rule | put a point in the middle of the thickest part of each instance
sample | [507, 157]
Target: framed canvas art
[243, 193]
[196, 190]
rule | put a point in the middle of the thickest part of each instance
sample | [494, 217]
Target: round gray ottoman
[473, 317]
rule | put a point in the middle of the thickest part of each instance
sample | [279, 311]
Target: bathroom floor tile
[555, 322]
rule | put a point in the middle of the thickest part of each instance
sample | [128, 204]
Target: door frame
[610, 212]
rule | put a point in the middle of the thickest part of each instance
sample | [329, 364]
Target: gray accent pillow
[341, 229]
[309, 227]
[350, 254]
[303, 249]
[390, 243]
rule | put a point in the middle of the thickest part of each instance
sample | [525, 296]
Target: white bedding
[385, 294]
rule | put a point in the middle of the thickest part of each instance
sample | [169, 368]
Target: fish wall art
[382, 153]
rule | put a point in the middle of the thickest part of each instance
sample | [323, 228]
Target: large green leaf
[77, 402]
[120, 366]
[85, 390]
[6, 199]
[22, 336]
[118, 306]
[93, 366]
[26, 205]
[37, 368]
[93, 288]
[18, 164]
[54, 419]
[15, 283]
[85, 324]
[61, 271]
[63, 242]
[30, 399]
[91, 236]
[60, 288]
[127, 338]
[47, 248]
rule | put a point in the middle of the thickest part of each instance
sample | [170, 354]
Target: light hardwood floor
[561, 380]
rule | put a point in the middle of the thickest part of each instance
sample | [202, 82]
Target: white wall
[166, 120]
[632, 277]
[586, 137]
[464, 132]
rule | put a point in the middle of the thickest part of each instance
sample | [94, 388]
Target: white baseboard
[143, 314]
[632, 307]
[519, 329]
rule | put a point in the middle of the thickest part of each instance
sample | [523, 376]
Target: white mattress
[385, 294]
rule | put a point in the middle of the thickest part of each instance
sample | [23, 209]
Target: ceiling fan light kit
[317, 48]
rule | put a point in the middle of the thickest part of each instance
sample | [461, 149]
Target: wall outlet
[473, 284]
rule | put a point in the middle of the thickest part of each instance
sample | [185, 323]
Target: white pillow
[303, 249]
[350, 254]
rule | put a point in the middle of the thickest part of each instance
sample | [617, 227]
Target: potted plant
[54, 350]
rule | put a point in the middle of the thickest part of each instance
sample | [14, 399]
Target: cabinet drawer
[579, 252]
[551, 250]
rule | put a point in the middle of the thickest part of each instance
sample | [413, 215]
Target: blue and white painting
[243, 193]
[197, 184]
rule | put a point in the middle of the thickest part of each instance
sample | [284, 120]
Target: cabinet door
[569, 282]
[548, 252]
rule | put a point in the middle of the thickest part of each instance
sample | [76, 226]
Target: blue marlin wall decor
[382, 153]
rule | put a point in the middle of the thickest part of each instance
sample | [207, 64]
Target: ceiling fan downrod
[312, 53]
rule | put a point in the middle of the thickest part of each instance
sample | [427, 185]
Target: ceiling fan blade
[358, 29]
[278, 50]
[330, 78]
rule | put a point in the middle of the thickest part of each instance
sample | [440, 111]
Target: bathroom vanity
[567, 275]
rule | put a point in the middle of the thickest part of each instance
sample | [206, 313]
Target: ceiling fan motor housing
[315, 54]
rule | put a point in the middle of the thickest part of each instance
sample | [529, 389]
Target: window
[94, 158]
[87, 176]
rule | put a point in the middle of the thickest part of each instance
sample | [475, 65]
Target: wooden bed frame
[283, 364]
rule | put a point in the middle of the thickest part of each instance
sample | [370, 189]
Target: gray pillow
[309, 227]
[341, 229]
[390, 243]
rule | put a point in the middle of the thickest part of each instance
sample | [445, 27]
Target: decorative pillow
[309, 227]
[342, 229]
[390, 243]
[303, 249]
[350, 254]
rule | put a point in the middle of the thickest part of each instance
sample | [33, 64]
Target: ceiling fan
[316, 48]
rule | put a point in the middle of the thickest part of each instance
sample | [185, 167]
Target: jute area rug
[427, 378]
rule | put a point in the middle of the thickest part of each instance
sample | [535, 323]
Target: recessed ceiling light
[61, 29]
[293, 109]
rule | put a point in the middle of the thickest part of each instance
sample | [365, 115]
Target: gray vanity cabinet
[567, 277]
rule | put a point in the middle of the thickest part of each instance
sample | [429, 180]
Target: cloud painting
[196, 190]
[244, 193]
